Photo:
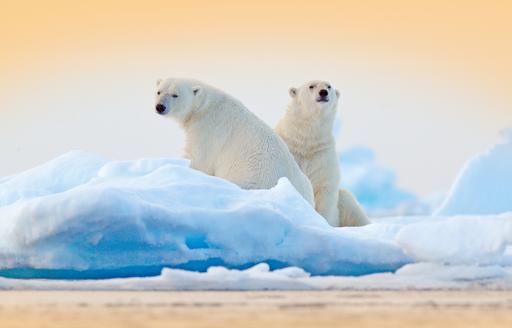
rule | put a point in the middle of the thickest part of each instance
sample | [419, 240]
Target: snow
[419, 276]
[157, 224]
[459, 240]
[484, 185]
[52, 177]
[102, 219]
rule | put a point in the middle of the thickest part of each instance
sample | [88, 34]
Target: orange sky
[424, 83]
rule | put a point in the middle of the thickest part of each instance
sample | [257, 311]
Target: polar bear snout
[160, 109]
[323, 96]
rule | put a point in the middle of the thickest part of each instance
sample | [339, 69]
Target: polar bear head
[314, 98]
[178, 98]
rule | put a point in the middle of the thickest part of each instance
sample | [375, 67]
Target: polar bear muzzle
[160, 109]
[323, 96]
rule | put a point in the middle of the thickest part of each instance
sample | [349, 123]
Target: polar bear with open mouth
[224, 139]
[307, 130]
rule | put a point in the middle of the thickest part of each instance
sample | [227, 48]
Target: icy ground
[420, 276]
[156, 224]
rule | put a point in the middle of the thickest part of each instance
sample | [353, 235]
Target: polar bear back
[225, 139]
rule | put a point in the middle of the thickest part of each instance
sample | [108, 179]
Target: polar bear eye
[311, 87]
[328, 86]
[175, 96]
[158, 93]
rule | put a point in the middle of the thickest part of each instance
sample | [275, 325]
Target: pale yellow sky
[424, 83]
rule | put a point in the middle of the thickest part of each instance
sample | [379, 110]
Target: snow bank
[484, 185]
[80, 216]
[63, 173]
[460, 240]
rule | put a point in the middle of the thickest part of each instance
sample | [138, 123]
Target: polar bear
[306, 128]
[226, 140]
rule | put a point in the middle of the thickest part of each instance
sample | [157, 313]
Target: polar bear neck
[208, 129]
[309, 133]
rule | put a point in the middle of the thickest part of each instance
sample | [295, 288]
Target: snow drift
[80, 216]
[484, 185]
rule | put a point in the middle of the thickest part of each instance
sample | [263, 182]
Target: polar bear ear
[196, 90]
[293, 92]
[158, 81]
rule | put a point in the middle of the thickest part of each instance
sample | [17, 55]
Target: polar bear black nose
[160, 108]
[323, 93]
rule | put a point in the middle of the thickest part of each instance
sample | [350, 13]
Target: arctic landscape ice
[82, 221]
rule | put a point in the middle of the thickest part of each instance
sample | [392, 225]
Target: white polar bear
[307, 130]
[226, 140]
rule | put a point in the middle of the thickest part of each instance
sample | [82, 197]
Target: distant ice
[484, 185]
[374, 184]
[375, 187]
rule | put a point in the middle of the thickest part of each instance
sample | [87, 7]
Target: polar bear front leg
[326, 204]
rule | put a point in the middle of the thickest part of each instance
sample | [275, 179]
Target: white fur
[307, 130]
[351, 213]
[226, 140]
